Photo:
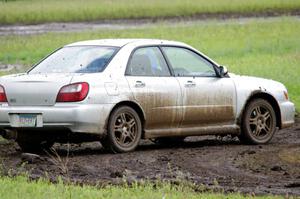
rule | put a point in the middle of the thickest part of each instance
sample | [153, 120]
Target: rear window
[76, 59]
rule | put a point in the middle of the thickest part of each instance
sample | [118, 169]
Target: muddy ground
[119, 24]
[208, 162]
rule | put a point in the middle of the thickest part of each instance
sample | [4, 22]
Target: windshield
[76, 59]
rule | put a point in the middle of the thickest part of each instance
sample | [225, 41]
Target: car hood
[257, 83]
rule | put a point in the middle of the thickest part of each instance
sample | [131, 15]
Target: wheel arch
[135, 106]
[269, 98]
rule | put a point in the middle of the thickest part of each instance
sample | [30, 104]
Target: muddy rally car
[119, 91]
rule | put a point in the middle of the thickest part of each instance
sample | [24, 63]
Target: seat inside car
[140, 65]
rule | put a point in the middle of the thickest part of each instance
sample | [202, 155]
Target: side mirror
[223, 71]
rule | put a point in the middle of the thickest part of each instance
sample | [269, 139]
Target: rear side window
[76, 59]
[147, 61]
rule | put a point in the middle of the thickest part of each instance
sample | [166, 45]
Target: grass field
[40, 11]
[19, 187]
[265, 48]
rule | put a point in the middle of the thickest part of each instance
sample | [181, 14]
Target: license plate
[27, 120]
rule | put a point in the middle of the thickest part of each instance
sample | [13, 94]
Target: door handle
[190, 84]
[139, 84]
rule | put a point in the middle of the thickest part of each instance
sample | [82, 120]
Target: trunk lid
[34, 89]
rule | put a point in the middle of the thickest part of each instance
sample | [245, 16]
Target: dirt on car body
[208, 162]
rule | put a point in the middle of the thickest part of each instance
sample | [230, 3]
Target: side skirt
[192, 131]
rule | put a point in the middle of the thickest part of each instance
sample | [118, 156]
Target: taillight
[73, 92]
[2, 94]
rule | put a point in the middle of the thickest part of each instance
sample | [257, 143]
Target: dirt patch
[119, 24]
[6, 68]
[223, 163]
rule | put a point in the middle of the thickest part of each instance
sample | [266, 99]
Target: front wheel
[258, 122]
[124, 130]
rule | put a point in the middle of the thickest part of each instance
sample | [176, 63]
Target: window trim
[104, 67]
[147, 46]
[197, 53]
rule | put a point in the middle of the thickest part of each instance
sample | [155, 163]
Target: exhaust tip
[8, 134]
[2, 132]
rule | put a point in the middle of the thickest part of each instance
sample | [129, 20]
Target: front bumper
[287, 114]
[84, 118]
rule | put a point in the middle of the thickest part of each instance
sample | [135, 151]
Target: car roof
[123, 42]
[135, 43]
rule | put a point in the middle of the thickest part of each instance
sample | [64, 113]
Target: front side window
[76, 59]
[188, 63]
[147, 61]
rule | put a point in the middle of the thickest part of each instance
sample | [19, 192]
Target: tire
[31, 142]
[124, 130]
[258, 122]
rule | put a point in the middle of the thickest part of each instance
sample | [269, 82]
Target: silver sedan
[119, 91]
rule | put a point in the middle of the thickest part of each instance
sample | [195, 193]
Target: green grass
[19, 187]
[40, 11]
[264, 48]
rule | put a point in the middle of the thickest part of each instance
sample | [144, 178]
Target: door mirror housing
[223, 71]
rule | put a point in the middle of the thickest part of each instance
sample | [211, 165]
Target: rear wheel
[124, 130]
[32, 142]
[259, 122]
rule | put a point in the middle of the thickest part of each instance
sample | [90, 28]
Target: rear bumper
[287, 114]
[84, 118]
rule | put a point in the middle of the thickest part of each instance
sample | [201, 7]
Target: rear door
[207, 99]
[154, 88]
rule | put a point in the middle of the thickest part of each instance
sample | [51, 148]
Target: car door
[207, 99]
[154, 88]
